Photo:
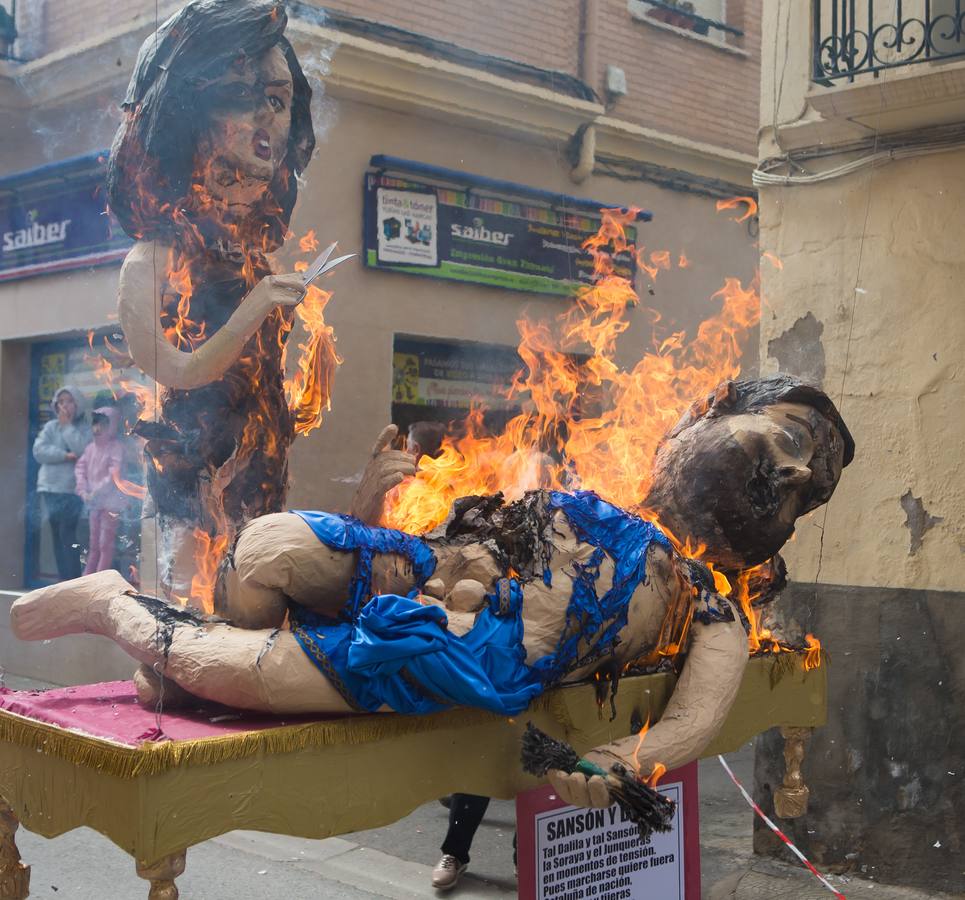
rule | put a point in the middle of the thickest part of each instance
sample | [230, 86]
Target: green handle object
[587, 768]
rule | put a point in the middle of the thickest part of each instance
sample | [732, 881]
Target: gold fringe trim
[149, 758]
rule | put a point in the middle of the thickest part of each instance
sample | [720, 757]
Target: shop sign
[52, 220]
[570, 853]
[453, 374]
[455, 234]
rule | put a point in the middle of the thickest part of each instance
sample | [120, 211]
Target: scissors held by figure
[323, 264]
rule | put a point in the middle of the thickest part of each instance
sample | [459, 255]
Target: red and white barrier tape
[778, 832]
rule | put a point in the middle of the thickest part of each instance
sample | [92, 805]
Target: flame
[773, 260]
[146, 396]
[659, 770]
[309, 390]
[138, 491]
[308, 243]
[610, 449]
[642, 735]
[735, 202]
[812, 659]
[682, 261]
[209, 550]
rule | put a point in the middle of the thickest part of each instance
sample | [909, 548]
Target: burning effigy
[203, 174]
[502, 601]
[573, 545]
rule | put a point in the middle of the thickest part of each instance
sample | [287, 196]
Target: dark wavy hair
[152, 162]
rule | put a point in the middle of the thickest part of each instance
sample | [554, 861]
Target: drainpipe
[588, 45]
[589, 73]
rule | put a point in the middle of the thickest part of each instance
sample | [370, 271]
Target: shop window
[438, 381]
[98, 368]
[441, 380]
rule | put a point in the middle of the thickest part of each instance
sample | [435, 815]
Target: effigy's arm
[701, 701]
[140, 299]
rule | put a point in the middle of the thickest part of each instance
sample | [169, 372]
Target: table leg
[14, 875]
[791, 798]
[162, 874]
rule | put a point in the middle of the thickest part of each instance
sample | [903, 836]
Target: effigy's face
[250, 120]
[738, 483]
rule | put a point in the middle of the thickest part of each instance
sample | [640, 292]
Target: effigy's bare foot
[71, 607]
[152, 690]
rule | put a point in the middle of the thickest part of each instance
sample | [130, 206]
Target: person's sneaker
[447, 872]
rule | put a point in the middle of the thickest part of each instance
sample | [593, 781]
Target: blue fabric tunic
[392, 650]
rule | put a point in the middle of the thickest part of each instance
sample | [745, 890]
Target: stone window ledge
[638, 12]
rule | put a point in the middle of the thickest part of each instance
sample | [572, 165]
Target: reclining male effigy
[568, 586]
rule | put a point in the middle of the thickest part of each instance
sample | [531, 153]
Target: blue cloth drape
[394, 651]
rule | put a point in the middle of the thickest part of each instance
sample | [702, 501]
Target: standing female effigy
[203, 174]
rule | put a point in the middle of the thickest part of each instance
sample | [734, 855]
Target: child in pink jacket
[97, 473]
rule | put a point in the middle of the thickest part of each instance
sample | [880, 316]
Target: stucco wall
[868, 303]
[876, 261]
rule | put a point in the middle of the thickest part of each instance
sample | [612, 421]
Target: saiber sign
[37, 235]
[568, 853]
[55, 218]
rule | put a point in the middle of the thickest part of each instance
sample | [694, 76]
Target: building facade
[861, 201]
[541, 105]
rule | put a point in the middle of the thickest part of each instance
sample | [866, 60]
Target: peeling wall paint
[799, 350]
[917, 520]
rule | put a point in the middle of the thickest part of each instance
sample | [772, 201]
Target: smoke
[315, 56]
[69, 130]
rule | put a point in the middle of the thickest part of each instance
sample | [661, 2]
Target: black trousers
[63, 513]
[466, 811]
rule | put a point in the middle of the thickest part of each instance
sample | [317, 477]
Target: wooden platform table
[65, 764]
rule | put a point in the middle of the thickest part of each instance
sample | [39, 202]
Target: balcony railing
[854, 37]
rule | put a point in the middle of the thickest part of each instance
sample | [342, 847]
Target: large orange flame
[310, 388]
[569, 366]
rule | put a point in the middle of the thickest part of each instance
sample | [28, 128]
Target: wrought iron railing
[852, 37]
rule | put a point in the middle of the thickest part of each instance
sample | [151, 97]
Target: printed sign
[458, 235]
[57, 219]
[407, 222]
[453, 374]
[569, 853]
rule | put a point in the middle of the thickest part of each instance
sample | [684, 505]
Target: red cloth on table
[110, 710]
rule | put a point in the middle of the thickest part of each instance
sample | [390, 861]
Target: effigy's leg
[277, 557]
[791, 798]
[263, 670]
[14, 875]
[162, 874]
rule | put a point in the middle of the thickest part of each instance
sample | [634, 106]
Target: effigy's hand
[385, 470]
[278, 290]
[577, 789]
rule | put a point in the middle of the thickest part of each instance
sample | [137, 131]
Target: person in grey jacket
[57, 448]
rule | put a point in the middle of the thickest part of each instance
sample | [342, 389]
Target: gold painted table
[324, 778]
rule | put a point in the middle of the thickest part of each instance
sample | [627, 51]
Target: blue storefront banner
[414, 226]
[55, 218]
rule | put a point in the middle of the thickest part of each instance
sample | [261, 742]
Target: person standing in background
[57, 448]
[98, 473]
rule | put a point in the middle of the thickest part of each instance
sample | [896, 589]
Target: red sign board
[568, 853]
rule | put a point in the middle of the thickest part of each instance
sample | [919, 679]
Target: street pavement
[396, 861]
